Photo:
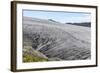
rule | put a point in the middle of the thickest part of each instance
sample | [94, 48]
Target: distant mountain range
[86, 24]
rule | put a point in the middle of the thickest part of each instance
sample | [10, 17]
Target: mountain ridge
[57, 40]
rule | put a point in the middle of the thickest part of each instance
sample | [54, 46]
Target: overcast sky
[63, 17]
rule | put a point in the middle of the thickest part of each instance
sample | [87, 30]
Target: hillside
[55, 40]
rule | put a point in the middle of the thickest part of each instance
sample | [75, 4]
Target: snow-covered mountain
[57, 40]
